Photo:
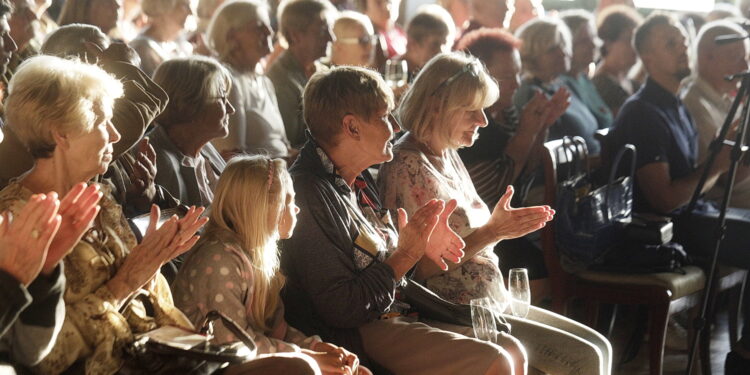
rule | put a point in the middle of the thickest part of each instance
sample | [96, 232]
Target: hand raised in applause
[507, 222]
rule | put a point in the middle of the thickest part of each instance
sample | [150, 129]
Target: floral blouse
[410, 180]
[94, 330]
[217, 275]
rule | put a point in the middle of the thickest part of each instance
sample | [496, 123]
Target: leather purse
[588, 220]
[175, 350]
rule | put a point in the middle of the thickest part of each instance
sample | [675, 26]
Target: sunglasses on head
[471, 67]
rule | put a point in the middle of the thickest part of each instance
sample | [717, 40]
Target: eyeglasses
[472, 68]
[364, 40]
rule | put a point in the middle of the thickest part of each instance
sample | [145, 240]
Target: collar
[655, 93]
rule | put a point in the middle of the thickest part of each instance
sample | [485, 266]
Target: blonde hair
[230, 16]
[538, 36]
[190, 82]
[348, 20]
[707, 35]
[248, 203]
[332, 94]
[49, 94]
[430, 19]
[429, 106]
[155, 8]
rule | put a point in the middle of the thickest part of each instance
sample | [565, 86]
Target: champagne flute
[520, 292]
[396, 73]
[499, 296]
[483, 319]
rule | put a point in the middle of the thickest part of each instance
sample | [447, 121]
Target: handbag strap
[575, 146]
[615, 167]
[230, 324]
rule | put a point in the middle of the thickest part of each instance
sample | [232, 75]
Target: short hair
[298, 15]
[348, 19]
[431, 19]
[230, 16]
[537, 36]
[708, 33]
[575, 19]
[330, 95]
[643, 32]
[613, 21]
[69, 40]
[189, 82]
[485, 42]
[155, 8]
[48, 94]
[431, 93]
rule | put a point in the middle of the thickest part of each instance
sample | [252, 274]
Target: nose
[114, 135]
[481, 118]
[393, 121]
[10, 44]
[229, 108]
[296, 209]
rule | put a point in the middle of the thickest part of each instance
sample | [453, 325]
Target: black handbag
[431, 306]
[588, 220]
[174, 350]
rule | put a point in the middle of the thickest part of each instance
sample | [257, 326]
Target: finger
[504, 202]
[50, 231]
[184, 247]
[403, 219]
[153, 219]
[85, 221]
[30, 212]
[150, 152]
[140, 170]
[71, 197]
[450, 206]
[86, 202]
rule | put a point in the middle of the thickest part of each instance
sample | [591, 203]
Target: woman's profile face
[253, 41]
[553, 62]
[104, 14]
[90, 153]
[179, 14]
[215, 117]
[376, 135]
[622, 49]
[465, 128]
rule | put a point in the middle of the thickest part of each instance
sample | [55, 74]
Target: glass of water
[520, 292]
[396, 73]
[483, 319]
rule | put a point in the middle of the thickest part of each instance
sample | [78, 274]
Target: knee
[504, 364]
[515, 349]
[300, 365]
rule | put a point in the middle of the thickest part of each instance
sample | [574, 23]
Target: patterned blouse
[218, 275]
[412, 179]
[94, 330]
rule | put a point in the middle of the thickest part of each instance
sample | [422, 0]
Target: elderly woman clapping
[61, 111]
[442, 111]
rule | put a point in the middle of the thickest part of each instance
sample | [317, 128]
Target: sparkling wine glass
[483, 319]
[396, 73]
[520, 292]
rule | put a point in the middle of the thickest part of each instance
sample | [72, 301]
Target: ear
[351, 127]
[60, 139]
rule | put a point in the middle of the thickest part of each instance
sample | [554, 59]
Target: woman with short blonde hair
[450, 95]
[240, 33]
[73, 101]
[354, 40]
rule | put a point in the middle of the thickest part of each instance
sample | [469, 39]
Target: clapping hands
[428, 234]
[507, 222]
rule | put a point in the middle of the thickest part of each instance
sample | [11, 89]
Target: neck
[162, 30]
[347, 165]
[668, 82]
[184, 137]
[434, 146]
[241, 66]
[51, 174]
[610, 67]
[305, 61]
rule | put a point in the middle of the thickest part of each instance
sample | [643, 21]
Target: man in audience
[429, 32]
[667, 170]
[708, 97]
[306, 27]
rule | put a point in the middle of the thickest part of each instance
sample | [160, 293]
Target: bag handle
[575, 145]
[230, 324]
[615, 167]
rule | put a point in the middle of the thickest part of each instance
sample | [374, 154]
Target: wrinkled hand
[414, 233]
[77, 210]
[348, 358]
[535, 113]
[25, 240]
[507, 222]
[444, 243]
[330, 363]
[142, 189]
[159, 246]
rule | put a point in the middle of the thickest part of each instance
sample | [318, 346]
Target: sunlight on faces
[585, 47]
[505, 68]
[376, 135]
[666, 51]
[215, 117]
[253, 40]
[288, 217]
[90, 152]
[8, 46]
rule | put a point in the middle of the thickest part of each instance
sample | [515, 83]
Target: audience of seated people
[240, 33]
[89, 139]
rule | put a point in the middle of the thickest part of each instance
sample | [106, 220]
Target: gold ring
[34, 234]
